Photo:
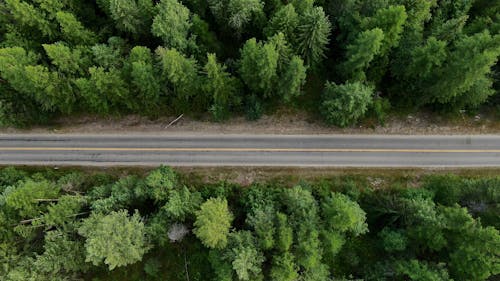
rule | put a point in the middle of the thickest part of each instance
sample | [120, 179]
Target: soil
[279, 123]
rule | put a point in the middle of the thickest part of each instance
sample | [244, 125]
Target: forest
[166, 225]
[339, 59]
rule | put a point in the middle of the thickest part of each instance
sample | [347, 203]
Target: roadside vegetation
[164, 225]
[340, 59]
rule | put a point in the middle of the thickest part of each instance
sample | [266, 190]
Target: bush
[344, 104]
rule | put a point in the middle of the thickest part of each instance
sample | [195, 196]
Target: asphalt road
[251, 150]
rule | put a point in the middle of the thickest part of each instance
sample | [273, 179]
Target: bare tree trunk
[35, 219]
[185, 264]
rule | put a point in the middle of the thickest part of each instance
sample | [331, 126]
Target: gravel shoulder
[280, 123]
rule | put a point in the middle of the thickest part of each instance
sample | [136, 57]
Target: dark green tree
[144, 80]
[221, 87]
[313, 35]
[258, 66]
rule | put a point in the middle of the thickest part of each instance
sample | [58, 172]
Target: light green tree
[62, 256]
[416, 270]
[13, 61]
[172, 24]
[116, 239]
[213, 222]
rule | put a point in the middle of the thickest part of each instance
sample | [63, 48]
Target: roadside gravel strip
[251, 150]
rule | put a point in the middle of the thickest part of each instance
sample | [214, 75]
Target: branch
[35, 219]
[176, 119]
[46, 200]
[185, 265]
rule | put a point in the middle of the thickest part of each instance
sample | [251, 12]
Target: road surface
[251, 150]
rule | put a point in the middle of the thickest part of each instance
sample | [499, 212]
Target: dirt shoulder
[280, 123]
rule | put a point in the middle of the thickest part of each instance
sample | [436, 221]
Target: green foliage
[66, 60]
[285, 20]
[221, 87]
[241, 13]
[258, 67]
[391, 21]
[172, 24]
[73, 30]
[144, 79]
[160, 182]
[417, 271]
[393, 241]
[10, 176]
[344, 215]
[284, 268]
[23, 197]
[150, 57]
[246, 259]
[262, 221]
[132, 16]
[182, 204]
[104, 91]
[292, 80]
[212, 224]
[13, 68]
[343, 105]
[61, 255]
[116, 239]
[464, 80]
[361, 52]
[57, 225]
[181, 76]
[284, 239]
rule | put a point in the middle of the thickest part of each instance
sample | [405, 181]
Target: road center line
[198, 149]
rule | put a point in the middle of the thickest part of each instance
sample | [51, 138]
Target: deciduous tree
[116, 239]
[213, 222]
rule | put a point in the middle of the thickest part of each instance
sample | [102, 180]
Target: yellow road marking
[196, 149]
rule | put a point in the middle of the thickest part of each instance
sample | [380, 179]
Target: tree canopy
[226, 57]
[71, 225]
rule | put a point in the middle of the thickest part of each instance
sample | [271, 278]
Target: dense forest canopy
[164, 226]
[59, 57]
